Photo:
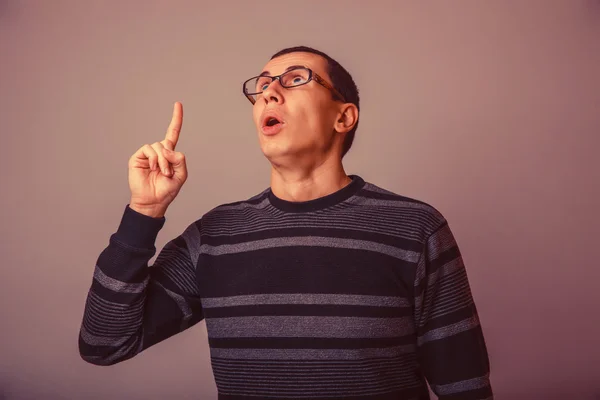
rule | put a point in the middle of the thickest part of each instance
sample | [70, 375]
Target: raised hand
[157, 172]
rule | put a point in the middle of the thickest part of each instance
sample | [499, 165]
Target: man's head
[317, 119]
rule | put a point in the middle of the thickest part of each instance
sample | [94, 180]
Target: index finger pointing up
[175, 125]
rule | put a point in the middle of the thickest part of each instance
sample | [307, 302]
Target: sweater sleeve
[130, 305]
[451, 347]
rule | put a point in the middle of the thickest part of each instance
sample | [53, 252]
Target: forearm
[112, 325]
[111, 330]
[455, 361]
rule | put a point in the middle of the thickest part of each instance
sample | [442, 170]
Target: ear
[347, 117]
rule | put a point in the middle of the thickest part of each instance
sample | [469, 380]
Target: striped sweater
[361, 294]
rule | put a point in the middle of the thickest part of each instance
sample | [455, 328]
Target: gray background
[488, 110]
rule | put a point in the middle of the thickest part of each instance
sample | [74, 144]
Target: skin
[305, 156]
[157, 172]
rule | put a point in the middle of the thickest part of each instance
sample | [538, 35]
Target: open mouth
[272, 121]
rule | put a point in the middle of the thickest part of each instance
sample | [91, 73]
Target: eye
[293, 79]
[297, 79]
[262, 83]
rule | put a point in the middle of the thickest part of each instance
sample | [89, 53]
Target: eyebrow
[267, 73]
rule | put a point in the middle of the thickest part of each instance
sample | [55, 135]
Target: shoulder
[255, 201]
[220, 219]
[415, 211]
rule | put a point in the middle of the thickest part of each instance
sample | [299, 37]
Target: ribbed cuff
[139, 230]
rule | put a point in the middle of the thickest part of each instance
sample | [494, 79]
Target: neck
[310, 183]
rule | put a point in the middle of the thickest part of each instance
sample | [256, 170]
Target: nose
[273, 92]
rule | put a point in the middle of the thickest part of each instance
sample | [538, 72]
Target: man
[322, 286]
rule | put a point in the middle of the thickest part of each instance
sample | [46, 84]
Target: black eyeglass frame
[311, 76]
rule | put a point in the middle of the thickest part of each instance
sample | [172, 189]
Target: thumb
[175, 158]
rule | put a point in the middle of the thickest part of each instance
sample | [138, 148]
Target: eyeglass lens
[291, 78]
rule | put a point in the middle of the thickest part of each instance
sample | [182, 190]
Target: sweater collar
[319, 203]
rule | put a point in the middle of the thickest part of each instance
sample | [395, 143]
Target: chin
[278, 148]
[270, 151]
[275, 151]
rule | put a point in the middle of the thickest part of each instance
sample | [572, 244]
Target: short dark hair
[342, 81]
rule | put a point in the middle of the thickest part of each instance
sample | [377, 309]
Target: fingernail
[166, 171]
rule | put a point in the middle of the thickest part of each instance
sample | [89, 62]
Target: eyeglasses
[294, 77]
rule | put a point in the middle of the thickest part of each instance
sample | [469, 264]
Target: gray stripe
[301, 373]
[450, 330]
[114, 309]
[462, 386]
[300, 298]
[446, 269]
[381, 214]
[402, 229]
[306, 392]
[241, 206]
[439, 242]
[347, 385]
[116, 285]
[374, 188]
[103, 322]
[421, 269]
[453, 295]
[318, 388]
[400, 203]
[179, 271]
[406, 222]
[307, 373]
[404, 361]
[310, 354]
[396, 252]
[324, 376]
[119, 354]
[192, 239]
[309, 326]
[94, 340]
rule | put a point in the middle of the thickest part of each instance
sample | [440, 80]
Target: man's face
[307, 114]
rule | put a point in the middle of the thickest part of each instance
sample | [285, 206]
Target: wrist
[150, 211]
